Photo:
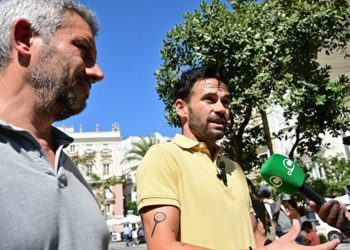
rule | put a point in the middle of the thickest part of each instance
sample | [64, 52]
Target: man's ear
[22, 32]
[181, 108]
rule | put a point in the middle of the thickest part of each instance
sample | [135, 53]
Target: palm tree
[139, 148]
[135, 154]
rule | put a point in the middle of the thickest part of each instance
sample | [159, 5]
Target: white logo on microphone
[289, 165]
[276, 181]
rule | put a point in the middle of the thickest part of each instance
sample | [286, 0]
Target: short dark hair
[306, 225]
[183, 87]
[265, 191]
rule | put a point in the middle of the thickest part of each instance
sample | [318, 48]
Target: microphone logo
[276, 181]
[289, 165]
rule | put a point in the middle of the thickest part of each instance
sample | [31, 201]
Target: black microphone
[222, 174]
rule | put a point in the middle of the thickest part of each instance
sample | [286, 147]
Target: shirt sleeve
[157, 179]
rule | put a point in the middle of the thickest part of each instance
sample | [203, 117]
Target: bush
[323, 238]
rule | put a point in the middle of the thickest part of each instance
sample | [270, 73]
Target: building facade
[99, 155]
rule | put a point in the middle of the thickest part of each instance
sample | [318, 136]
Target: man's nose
[94, 73]
[220, 108]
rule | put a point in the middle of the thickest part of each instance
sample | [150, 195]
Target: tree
[85, 162]
[132, 205]
[99, 186]
[135, 154]
[139, 149]
[337, 174]
[269, 49]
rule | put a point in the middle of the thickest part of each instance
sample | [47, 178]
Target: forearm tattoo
[158, 218]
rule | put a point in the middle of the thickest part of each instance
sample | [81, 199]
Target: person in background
[141, 235]
[47, 67]
[134, 236]
[284, 223]
[290, 207]
[311, 238]
[189, 195]
[126, 234]
[265, 194]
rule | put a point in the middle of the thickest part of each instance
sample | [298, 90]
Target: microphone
[222, 174]
[288, 177]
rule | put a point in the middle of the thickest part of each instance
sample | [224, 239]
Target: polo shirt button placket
[37, 153]
[62, 181]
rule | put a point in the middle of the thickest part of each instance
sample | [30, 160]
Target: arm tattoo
[158, 217]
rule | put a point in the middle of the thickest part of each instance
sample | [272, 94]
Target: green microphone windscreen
[282, 173]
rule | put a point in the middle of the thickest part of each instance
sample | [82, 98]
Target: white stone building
[109, 149]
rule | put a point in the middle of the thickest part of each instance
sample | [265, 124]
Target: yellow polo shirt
[181, 173]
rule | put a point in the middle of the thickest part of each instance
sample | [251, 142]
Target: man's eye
[209, 100]
[83, 50]
[226, 103]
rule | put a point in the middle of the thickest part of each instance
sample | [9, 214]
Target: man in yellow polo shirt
[183, 203]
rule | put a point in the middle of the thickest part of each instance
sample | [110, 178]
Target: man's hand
[333, 212]
[287, 241]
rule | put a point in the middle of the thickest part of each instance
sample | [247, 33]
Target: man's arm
[162, 227]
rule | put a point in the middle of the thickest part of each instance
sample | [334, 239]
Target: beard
[200, 127]
[54, 88]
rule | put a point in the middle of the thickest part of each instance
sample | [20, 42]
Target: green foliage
[323, 238]
[139, 148]
[84, 161]
[132, 205]
[97, 184]
[269, 49]
[337, 173]
[320, 186]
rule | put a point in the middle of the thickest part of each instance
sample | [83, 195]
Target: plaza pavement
[121, 246]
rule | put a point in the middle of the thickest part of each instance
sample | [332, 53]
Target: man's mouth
[220, 121]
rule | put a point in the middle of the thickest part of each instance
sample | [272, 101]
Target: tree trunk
[267, 133]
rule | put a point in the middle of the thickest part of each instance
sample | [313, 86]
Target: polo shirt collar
[60, 137]
[187, 143]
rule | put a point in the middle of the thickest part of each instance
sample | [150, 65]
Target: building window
[105, 169]
[89, 148]
[108, 208]
[88, 169]
[72, 148]
[105, 148]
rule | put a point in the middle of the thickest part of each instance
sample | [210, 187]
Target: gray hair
[45, 16]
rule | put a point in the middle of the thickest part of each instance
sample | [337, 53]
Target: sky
[128, 47]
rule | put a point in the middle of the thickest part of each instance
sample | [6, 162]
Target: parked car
[330, 232]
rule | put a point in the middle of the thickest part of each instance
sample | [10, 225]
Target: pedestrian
[134, 236]
[127, 235]
[47, 66]
[141, 236]
[283, 223]
[291, 208]
[311, 238]
[189, 195]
